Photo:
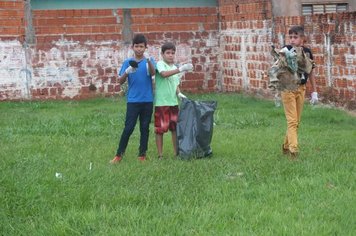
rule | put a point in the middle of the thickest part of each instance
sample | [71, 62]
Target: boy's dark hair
[299, 30]
[167, 46]
[139, 38]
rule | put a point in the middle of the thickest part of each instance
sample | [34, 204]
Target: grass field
[246, 188]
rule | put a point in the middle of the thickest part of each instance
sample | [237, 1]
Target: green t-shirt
[166, 88]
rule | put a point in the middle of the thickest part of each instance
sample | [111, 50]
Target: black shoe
[285, 151]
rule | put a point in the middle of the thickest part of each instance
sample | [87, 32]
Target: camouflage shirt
[291, 68]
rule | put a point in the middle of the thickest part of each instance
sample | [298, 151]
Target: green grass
[246, 188]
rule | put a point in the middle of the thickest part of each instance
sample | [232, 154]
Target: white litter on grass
[234, 175]
[58, 175]
[90, 165]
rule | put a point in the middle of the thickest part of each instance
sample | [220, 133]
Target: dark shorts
[166, 118]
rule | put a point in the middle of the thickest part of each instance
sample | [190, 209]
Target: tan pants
[293, 102]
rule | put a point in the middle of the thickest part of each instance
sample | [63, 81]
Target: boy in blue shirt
[139, 97]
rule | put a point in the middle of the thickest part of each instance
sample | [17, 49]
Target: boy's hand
[186, 67]
[130, 70]
[147, 56]
[182, 96]
[121, 93]
[314, 98]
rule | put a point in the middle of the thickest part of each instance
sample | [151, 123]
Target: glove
[314, 98]
[130, 70]
[182, 96]
[148, 57]
[186, 67]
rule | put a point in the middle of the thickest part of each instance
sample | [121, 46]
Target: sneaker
[116, 159]
[160, 157]
[141, 158]
[293, 156]
[285, 151]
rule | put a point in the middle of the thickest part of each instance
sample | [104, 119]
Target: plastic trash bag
[195, 128]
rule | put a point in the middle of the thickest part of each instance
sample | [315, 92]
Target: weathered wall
[294, 7]
[13, 66]
[246, 30]
[249, 28]
[76, 49]
[70, 54]
[196, 35]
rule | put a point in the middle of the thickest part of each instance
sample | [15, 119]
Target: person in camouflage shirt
[289, 75]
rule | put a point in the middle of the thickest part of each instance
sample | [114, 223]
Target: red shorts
[166, 118]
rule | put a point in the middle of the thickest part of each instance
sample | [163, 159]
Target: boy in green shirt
[166, 92]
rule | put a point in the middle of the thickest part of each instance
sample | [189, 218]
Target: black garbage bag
[195, 128]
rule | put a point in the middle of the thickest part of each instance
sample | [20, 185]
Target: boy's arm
[151, 67]
[179, 94]
[314, 94]
[185, 67]
[312, 81]
[168, 73]
[125, 73]
[122, 78]
[177, 91]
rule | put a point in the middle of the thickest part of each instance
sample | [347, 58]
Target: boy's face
[296, 40]
[168, 56]
[139, 49]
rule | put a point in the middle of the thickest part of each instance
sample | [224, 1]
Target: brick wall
[62, 54]
[333, 41]
[246, 30]
[76, 53]
[12, 54]
[76, 49]
[12, 19]
[249, 28]
[195, 33]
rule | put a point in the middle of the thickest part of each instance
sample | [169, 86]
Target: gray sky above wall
[109, 4]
